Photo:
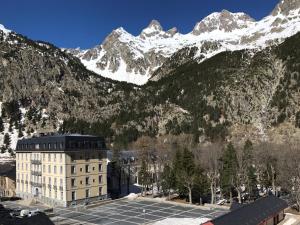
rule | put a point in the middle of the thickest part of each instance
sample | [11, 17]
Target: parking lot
[125, 212]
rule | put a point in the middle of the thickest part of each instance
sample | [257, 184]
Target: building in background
[62, 170]
[264, 211]
[8, 179]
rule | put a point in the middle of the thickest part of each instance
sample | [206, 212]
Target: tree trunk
[190, 195]
[239, 195]
[273, 180]
[212, 191]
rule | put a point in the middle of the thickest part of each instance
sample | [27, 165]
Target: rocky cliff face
[135, 59]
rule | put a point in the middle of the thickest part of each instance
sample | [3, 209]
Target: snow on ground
[182, 221]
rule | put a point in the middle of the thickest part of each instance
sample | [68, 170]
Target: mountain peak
[285, 6]
[2, 28]
[153, 29]
[224, 20]
[154, 24]
[172, 31]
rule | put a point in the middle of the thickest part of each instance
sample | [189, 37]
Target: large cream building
[62, 169]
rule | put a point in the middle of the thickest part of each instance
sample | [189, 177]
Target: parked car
[34, 212]
[15, 213]
[221, 202]
[24, 212]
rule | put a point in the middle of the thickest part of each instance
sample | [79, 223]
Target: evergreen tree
[248, 167]
[1, 125]
[229, 170]
[6, 140]
[20, 133]
[144, 176]
[168, 179]
[187, 173]
[2, 149]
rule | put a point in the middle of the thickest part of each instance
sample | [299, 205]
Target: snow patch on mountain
[5, 31]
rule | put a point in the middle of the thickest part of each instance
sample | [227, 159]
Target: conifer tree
[229, 170]
[168, 179]
[6, 140]
[1, 125]
[248, 167]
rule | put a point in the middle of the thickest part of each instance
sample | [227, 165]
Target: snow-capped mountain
[4, 30]
[134, 59]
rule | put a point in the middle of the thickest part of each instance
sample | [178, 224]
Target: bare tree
[289, 177]
[267, 156]
[209, 156]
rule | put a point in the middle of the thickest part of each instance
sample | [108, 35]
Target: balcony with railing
[36, 162]
[35, 184]
[36, 173]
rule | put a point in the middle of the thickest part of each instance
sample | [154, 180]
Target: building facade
[7, 179]
[61, 169]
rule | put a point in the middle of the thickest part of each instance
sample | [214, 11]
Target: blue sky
[85, 23]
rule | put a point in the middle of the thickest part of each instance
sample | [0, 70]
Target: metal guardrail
[36, 162]
[36, 173]
[36, 184]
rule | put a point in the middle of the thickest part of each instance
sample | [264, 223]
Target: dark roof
[8, 170]
[61, 142]
[253, 213]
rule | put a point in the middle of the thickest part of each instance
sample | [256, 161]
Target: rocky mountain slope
[235, 95]
[135, 59]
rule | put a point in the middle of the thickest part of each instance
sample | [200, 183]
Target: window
[61, 145]
[61, 169]
[87, 181]
[93, 180]
[60, 157]
[61, 195]
[87, 168]
[81, 182]
[49, 158]
[73, 169]
[73, 182]
[49, 168]
[100, 167]
[37, 146]
[100, 179]
[44, 168]
[54, 156]
[49, 146]
[54, 170]
[55, 181]
[61, 182]
[93, 168]
[55, 145]
[87, 193]
[73, 195]
[100, 190]
[80, 169]
[49, 179]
